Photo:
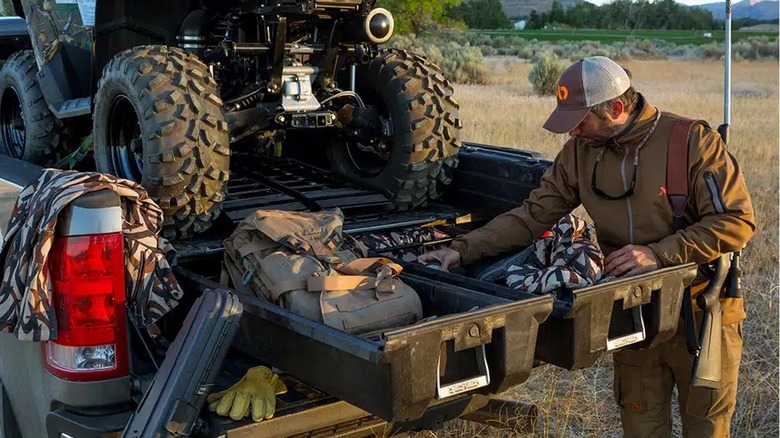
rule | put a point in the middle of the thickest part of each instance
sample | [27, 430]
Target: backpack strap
[677, 193]
[677, 170]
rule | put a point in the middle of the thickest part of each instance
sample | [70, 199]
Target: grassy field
[611, 36]
[580, 403]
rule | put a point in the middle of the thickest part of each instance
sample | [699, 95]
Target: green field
[611, 36]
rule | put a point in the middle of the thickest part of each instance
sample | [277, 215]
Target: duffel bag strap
[371, 266]
[351, 282]
[322, 252]
[332, 283]
[282, 288]
[249, 244]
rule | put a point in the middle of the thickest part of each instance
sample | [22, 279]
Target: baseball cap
[587, 82]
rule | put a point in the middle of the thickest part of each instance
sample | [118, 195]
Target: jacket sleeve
[723, 219]
[556, 196]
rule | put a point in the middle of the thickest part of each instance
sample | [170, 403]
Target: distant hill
[521, 8]
[759, 10]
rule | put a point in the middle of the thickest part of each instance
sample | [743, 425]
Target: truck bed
[384, 378]
[345, 385]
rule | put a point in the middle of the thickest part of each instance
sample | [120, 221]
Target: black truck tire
[165, 102]
[28, 129]
[425, 135]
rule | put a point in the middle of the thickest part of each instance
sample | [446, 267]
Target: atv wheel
[158, 121]
[28, 129]
[415, 160]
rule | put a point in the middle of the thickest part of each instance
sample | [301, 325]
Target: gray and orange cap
[587, 82]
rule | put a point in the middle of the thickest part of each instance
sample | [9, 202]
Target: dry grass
[580, 403]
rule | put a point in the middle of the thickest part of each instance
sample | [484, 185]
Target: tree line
[625, 14]
[414, 16]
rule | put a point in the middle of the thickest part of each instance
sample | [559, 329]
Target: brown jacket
[719, 208]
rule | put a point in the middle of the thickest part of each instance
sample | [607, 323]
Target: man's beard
[607, 132]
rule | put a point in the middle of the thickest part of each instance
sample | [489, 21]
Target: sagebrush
[462, 64]
[545, 73]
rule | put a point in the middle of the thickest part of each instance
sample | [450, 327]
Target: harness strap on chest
[677, 171]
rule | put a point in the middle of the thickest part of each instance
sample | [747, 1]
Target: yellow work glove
[255, 392]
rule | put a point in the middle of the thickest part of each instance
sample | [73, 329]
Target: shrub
[460, 64]
[755, 48]
[711, 51]
[752, 48]
[488, 51]
[545, 73]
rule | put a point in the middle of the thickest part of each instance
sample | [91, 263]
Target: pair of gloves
[255, 392]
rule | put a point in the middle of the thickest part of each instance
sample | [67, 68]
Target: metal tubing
[727, 79]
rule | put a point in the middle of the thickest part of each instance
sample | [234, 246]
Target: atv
[168, 90]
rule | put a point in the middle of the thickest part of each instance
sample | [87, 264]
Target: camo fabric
[25, 295]
[410, 238]
[567, 260]
[54, 24]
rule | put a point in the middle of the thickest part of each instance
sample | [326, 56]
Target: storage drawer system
[635, 312]
[484, 337]
[645, 311]
[477, 344]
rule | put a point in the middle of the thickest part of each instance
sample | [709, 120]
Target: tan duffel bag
[296, 260]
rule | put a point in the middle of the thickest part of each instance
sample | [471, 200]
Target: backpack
[297, 261]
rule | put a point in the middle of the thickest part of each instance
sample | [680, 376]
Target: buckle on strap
[247, 277]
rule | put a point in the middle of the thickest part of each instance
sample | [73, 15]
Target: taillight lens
[87, 274]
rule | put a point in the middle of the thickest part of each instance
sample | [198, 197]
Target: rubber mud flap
[173, 402]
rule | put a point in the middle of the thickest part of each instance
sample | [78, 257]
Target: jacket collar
[636, 130]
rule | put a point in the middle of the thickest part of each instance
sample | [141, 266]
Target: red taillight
[87, 274]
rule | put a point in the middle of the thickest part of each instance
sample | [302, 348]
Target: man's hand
[630, 260]
[448, 258]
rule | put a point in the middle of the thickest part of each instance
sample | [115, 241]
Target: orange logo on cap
[563, 92]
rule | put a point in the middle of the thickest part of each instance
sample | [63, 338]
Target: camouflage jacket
[568, 259]
[25, 296]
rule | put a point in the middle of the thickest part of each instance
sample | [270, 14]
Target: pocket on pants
[700, 401]
[629, 391]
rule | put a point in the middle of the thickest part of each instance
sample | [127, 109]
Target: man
[615, 165]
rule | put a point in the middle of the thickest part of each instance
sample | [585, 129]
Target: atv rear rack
[290, 185]
[287, 184]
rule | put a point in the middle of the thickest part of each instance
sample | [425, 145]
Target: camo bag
[296, 260]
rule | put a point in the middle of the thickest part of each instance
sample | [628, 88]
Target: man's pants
[644, 381]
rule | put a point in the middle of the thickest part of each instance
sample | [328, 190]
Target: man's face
[595, 128]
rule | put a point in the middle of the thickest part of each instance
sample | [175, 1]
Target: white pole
[727, 79]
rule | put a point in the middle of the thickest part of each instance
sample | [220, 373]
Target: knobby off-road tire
[38, 141]
[425, 129]
[185, 156]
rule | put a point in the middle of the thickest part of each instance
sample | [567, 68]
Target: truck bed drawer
[476, 344]
[636, 312]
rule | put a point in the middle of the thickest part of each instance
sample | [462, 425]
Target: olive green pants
[644, 381]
